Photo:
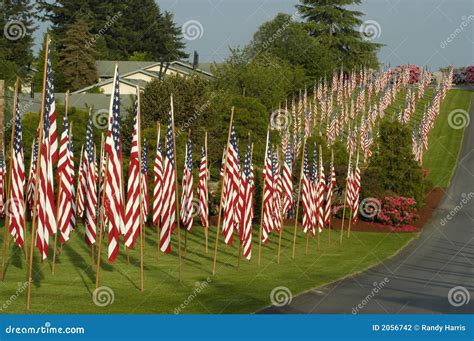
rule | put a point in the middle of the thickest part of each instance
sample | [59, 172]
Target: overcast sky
[425, 32]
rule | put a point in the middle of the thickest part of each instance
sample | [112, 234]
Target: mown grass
[246, 290]
[444, 140]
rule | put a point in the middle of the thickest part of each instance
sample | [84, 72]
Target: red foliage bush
[397, 211]
[404, 228]
[469, 74]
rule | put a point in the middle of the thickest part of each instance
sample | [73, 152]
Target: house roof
[106, 68]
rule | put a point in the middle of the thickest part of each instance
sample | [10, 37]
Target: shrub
[397, 211]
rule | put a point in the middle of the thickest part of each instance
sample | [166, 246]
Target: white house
[134, 73]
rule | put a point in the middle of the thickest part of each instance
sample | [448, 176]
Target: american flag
[30, 187]
[158, 181]
[49, 154]
[187, 188]
[202, 190]
[247, 192]
[81, 186]
[144, 174]
[356, 192]
[349, 184]
[314, 192]
[90, 168]
[321, 193]
[132, 211]
[2, 182]
[168, 213]
[306, 193]
[231, 191]
[65, 172]
[287, 182]
[16, 203]
[113, 189]
[330, 188]
[268, 193]
[277, 191]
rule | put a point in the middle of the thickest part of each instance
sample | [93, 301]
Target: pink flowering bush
[469, 74]
[397, 211]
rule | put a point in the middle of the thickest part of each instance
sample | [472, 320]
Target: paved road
[417, 280]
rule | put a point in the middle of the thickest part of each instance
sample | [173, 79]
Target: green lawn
[246, 290]
[444, 141]
[70, 289]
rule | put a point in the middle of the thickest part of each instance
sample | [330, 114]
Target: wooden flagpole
[281, 221]
[239, 256]
[263, 198]
[35, 201]
[222, 193]
[330, 179]
[98, 182]
[102, 207]
[298, 201]
[206, 228]
[322, 202]
[345, 199]
[176, 194]
[101, 222]
[186, 230]
[66, 103]
[158, 131]
[6, 235]
[140, 194]
[352, 212]
[80, 166]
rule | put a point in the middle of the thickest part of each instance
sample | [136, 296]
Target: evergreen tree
[76, 59]
[16, 40]
[392, 169]
[338, 28]
[290, 41]
[123, 27]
